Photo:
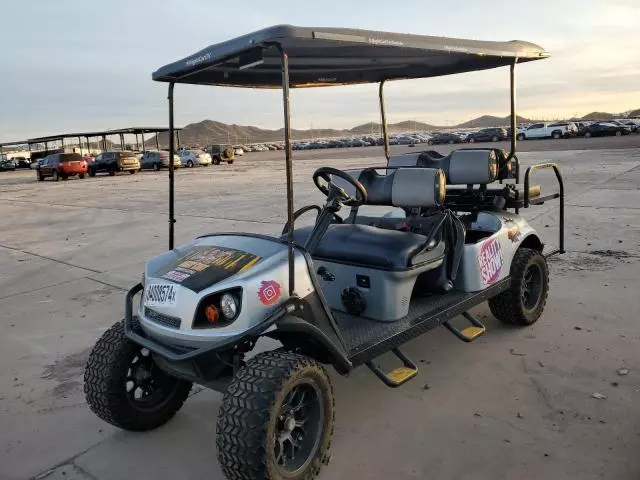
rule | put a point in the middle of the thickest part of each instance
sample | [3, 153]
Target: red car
[61, 165]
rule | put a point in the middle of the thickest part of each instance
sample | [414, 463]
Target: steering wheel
[325, 173]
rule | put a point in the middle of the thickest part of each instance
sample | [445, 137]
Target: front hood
[212, 259]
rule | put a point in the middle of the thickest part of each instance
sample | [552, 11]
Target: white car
[548, 130]
[238, 152]
[192, 158]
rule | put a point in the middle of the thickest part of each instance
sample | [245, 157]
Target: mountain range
[210, 131]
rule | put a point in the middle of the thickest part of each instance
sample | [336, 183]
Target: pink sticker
[269, 292]
[490, 261]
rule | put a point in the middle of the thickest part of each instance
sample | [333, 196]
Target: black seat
[374, 247]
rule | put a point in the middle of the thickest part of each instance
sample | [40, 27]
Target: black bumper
[176, 353]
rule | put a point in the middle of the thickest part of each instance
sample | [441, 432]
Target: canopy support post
[172, 219]
[178, 138]
[288, 165]
[383, 119]
[513, 117]
[137, 144]
[157, 142]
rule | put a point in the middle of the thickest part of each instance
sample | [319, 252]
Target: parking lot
[560, 399]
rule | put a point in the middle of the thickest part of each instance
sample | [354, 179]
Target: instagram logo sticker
[269, 292]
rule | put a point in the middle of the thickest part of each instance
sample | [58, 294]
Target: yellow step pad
[402, 374]
[473, 332]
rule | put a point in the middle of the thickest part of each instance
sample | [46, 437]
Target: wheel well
[532, 242]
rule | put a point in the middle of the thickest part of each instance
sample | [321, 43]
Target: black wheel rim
[147, 387]
[299, 428]
[531, 287]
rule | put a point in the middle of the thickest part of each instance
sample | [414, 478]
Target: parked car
[192, 158]
[112, 162]
[601, 129]
[6, 165]
[157, 159]
[61, 165]
[488, 135]
[548, 130]
[221, 153]
[440, 138]
[238, 151]
[22, 162]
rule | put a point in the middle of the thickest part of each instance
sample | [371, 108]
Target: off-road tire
[508, 306]
[247, 417]
[104, 385]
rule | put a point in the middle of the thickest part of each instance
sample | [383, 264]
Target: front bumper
[177, 353]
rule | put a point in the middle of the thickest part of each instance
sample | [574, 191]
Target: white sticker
[160, 295]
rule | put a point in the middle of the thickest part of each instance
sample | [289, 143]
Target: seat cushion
[372, 246]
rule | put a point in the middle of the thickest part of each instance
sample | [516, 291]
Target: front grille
[161, 318]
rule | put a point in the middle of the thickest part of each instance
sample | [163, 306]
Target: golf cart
[342, 292]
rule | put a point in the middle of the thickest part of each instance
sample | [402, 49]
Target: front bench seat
[374, 247]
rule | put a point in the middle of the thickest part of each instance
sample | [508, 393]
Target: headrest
[406, 160]
[418, 187]
[472, 166]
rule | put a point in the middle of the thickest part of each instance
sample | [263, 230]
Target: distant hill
[634, 113]
[210, 131]
[599, 116]
[486, 121]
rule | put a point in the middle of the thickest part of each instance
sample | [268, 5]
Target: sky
[78, 65]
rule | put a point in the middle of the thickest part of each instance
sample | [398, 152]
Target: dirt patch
[94, 296]
[576, 262]
[67, 372]
[617, 254]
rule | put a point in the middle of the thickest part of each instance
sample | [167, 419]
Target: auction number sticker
[160, 295]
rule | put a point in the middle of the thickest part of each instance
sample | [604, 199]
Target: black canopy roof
[338, 56]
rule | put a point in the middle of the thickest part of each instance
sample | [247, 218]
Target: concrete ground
[516, 404]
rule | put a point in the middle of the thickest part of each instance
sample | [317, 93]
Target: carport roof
[339, 56]
[128, 130]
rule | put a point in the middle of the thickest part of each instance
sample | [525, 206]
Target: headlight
[218, 309]
[229, 306]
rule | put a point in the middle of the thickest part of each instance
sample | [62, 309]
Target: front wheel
[56, 176]
[124, 386]
[81, 176]
[472, 140]
[494, 139]
[618, 133]
[189, 164]
[523, 303]
[556, 135]
[276, 419]
[520, 136]
[230, 162]
[587, 134]
[112, 173]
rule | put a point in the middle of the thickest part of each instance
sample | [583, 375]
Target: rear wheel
[230, 162]
[81, 176]
[276, 419]
[618, 133]
[556, 135]
[132, 172]
[587, 134]
[472, 140]
[56, 176]
[112, 173]
[216, 161]
[494, 139]
[523, 303]
[189, 164]
[124, 386]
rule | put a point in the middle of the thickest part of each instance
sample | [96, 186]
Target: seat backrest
[404, 187]
[462, 166]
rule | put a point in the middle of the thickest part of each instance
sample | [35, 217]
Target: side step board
[469, 334]
[398, 376]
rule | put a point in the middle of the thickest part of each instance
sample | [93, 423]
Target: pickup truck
[548, 130]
